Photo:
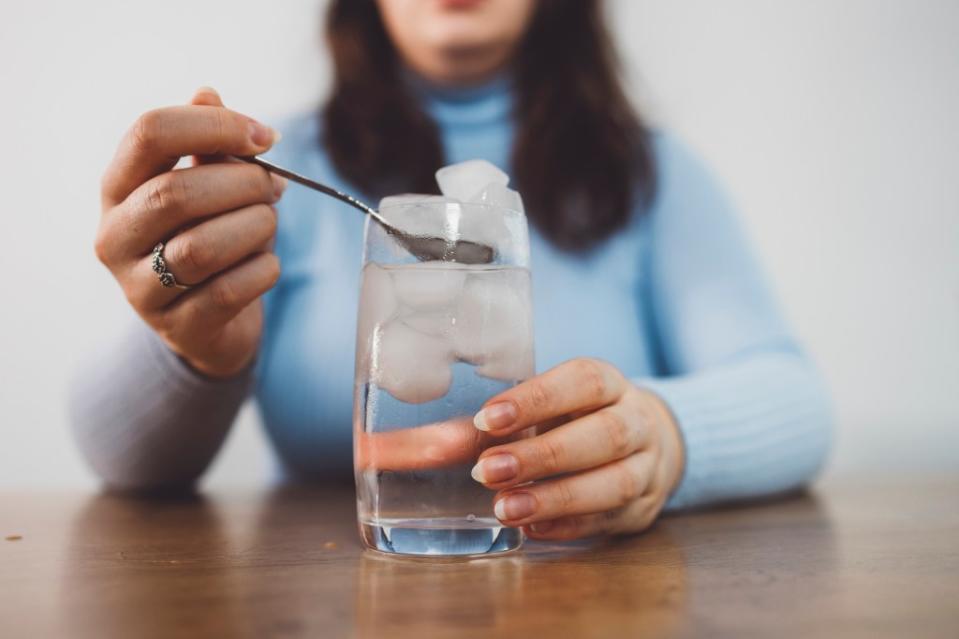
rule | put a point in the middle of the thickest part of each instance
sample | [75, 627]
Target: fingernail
[279, 185]
[518, 506]
[495, 468]
[262, 135]
[495, 416]
[541, 526]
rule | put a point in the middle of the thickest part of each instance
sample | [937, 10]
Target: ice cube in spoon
[466, 180]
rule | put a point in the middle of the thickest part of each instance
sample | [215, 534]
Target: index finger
[436, 445]
[581, 384]
[159, 138]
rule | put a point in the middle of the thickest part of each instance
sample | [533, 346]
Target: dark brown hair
[581, 157]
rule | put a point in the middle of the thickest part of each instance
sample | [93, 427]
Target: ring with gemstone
[159, 267]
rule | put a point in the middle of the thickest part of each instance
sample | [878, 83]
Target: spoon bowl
[424, 248]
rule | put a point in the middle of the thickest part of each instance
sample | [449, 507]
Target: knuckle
[655, 486]
[106, 184]
[538, 397]
[155, 198]
[223, 295]
[191, 254]
[264, 184]
[650, 514]
[252, 182]
[165, 193]
[274, 221]
[175, 326]
[267, 272]
[162, 324]
[609, 522]
[268, 219]
[646, 520]
[550, 455]
[136, 295]
[103, 246]
[147, 130]
[626, 484]
[273, 268]
[617, 431]
[220, 128]
[173, 322]
[592, 374]
[563, 496]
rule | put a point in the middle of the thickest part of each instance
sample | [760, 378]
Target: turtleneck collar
[484, 104]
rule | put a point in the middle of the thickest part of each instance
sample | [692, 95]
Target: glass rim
[434, 205]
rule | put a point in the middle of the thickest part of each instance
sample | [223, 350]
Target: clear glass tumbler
[435, 340]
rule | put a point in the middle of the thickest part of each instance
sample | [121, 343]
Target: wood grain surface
[857, 558]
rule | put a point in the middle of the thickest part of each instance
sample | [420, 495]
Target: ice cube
[436, 323]
[428, 285]
[494, 325]
[416, 214]
[510, 366]
[466, 180]
[377, 305]
[501, 196]
[407, 199]
[411, 366]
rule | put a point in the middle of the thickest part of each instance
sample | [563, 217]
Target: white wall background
[833, 124]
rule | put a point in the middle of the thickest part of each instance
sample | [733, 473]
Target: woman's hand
[217, 222]
[606, 455]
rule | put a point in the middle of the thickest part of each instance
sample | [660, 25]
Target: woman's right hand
[216, 219]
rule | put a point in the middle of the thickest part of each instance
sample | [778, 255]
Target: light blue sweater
[676, 301]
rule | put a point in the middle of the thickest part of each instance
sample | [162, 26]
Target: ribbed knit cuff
[751, 428]
[685, 402]
[187, 381]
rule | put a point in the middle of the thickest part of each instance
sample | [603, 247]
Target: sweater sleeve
[752, 410]
[144, 420]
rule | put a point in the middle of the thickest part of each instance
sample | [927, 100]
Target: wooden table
[877, 558]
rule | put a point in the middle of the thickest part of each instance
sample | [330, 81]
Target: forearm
[757, 426]
[144, 421]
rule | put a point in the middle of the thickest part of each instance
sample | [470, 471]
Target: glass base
[440, 537]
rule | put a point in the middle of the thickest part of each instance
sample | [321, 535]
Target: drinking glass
[435, 340]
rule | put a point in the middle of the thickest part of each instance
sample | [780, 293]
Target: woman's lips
[460, 4]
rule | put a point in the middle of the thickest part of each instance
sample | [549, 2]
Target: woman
[670, 378]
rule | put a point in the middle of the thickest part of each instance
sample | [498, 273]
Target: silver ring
[159, 267]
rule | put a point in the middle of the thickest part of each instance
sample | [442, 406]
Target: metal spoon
[424, 248]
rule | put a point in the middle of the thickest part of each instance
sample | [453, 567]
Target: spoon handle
[316, 186]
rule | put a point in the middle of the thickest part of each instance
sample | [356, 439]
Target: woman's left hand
[605, 457]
